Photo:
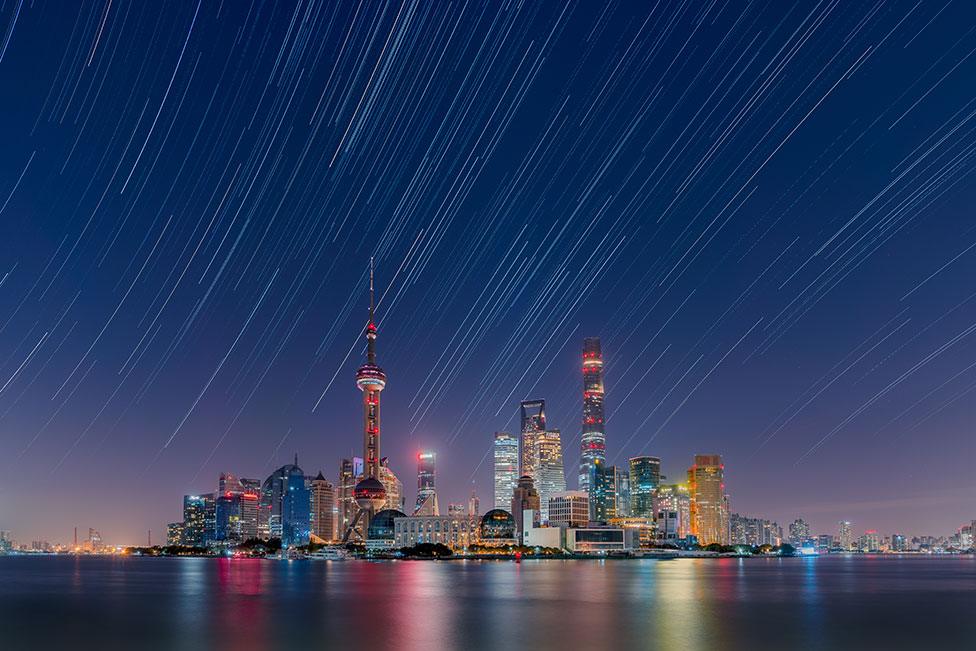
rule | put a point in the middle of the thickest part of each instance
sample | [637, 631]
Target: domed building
[498, 527]
[382, 524]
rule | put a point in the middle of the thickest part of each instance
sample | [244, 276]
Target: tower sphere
[370, 494]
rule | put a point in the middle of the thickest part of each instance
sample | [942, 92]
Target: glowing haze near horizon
[763, 210]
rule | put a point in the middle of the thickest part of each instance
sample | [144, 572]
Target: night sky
[763, 209]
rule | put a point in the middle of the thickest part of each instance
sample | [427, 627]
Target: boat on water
[332, 553]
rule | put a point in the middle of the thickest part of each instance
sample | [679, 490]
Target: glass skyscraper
[426, 484]
[533, 423]
[506, 453]
[550, 475]
[295, 509]
[198, 529]
[709, 515]
[645, 477]
[603, 493]
[593, 443]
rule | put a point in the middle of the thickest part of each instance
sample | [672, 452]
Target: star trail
[763, 209]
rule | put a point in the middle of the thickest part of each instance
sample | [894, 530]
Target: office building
[392, 485]
[709, 515]
[645, 477]
[349, 472]
[272, 493]
[199, 520]
[603, 491]
[845, 536]
[799, 532]
[426, 484]
[533, 418]
[593, 442]
[550, 476]
[295, 509]
[569, 508]
[322, 516]
[754, 531]
[506, 457]
[525, 498]
[672, 512]
[621, 492]
[174, 533]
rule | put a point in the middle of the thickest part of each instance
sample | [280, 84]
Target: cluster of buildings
[614, 508]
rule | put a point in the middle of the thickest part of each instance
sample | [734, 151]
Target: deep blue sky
[765, 212]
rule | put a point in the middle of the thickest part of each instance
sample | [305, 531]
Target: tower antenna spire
[371, 305]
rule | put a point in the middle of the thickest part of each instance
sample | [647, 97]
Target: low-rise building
[457, 532]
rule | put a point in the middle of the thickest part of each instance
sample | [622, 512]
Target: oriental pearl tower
[369, 493]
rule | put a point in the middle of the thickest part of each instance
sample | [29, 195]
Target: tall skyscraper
[369, 492]
[474, 505]
[550, 476]
[706, 481]
[593, 443]
[236, 508]
[426, 484]
[672, 512]
[197, 530]
[323, 508]
[845, 535]
[393, 486]
[524, 498]
[799, 532]
[533, 422]
[622, 492]
[506, 452]
[645, 477]
[272, 493]
[296, 506]
[349, 472]
[603, 491]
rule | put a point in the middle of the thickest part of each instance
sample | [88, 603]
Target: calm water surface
[196, 603]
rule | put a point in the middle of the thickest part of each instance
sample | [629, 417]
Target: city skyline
[761, 214]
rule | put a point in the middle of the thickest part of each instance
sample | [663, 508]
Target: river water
[866, 602]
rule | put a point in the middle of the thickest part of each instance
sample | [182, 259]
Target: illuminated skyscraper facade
[272, 493]
[349, 472]
[236, 509]
[603, 491]
[323, 497]
[709, 518]
[533, 424]
[672, 512]
[393, 486]
[645, 477]
[426, 484]
[506, 453]
[198, 530]
[550, 476]
[593, 443]
[296, 506]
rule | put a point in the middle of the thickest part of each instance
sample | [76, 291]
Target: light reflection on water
[245, 604]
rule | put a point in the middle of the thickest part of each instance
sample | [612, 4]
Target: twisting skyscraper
[593, 444]
[369, 492]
